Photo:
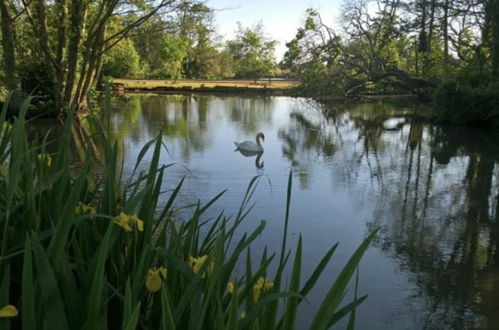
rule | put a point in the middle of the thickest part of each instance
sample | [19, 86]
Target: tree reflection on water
[437, 200]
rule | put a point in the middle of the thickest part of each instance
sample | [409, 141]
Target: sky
[280, 18]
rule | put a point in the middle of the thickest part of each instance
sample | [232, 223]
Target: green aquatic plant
[87, 251]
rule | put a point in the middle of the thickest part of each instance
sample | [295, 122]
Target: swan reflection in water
[248, 153]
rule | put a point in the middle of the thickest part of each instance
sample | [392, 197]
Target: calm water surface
[433, 190]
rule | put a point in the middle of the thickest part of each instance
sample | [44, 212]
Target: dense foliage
[400, 47]
[61, 50]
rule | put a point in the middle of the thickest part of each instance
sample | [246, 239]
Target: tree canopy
[252, 53]
[395, 45]
[61, 49]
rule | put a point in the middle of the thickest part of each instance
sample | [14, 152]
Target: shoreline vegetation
[82, 250]
[261, 86]
[452, 103]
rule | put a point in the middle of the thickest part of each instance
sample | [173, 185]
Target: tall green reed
[86, 251]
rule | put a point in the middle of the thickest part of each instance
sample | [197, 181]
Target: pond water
[433, 190]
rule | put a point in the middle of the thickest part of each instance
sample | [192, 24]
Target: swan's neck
[258, 141]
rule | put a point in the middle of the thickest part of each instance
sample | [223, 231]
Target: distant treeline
[445, 50]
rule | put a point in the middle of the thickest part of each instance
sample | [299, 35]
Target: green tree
[172, 54]
[122, 60]
[252, 53]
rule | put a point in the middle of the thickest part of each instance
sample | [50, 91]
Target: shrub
[466, 103]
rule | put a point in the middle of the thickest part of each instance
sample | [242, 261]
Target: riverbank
[261, 86]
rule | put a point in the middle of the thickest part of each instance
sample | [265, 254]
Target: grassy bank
[205, 85]
[84, 248]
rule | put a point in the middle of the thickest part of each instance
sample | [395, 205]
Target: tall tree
[9, 63]
[252, 52]
[493, 17]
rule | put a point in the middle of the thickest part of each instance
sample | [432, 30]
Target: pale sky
[281, 18]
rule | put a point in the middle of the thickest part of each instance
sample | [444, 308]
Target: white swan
[250, 145]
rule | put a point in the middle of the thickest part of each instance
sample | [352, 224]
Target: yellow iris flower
[155, 278]
[197, 263]
[8, 311]
[126, 221]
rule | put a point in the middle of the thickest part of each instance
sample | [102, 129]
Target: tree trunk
[445, 27]
[9, 58]
[428, 63]
[493, 12]
[73, 48]
[61, 45]
[9, 62]
[93, 60]
[423, 38]
[416, 59]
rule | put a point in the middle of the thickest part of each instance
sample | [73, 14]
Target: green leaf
[134, 318]
[337, 290]
[53, 311]
[167, 321]
[28, 290]
[294, 286]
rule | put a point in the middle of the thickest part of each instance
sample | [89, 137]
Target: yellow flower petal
[230, 287]
[8, 311]
[126, 221]
[122, 221]
[197, 263]
[162, 272]
[268, 285]
[140, 224]
[256, 293]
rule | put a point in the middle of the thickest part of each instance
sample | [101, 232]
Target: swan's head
[260, 135]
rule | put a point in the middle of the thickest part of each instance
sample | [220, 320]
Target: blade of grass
[28, 309]
[336, 292]
[294, 286]
[53, 313]
[166, 313]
